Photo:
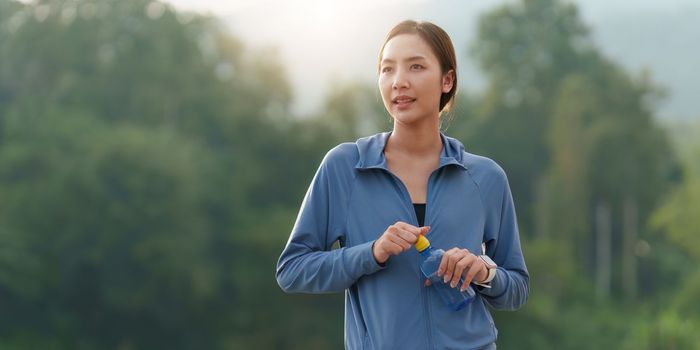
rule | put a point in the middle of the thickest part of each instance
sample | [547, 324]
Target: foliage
[150, 172]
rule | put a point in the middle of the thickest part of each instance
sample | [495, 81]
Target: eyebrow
[412, 58]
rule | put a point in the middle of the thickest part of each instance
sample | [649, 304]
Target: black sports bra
[420, 213]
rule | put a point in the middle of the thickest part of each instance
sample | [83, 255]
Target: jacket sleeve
[307, 263]
[510, 288]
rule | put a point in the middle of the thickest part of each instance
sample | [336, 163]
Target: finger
[460, 267]
[469, 276]
[392, 229]
[427, 283]
[400, 231]
[391, 247]
[399, 241]
[424, 230]
[452, 256]
[474, 268]
[402, 235]
[464, 286]
[407, 236]
[408, 227]
[443, 263]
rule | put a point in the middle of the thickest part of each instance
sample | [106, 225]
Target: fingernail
[446, 279]
[462, 289]
[453, 284]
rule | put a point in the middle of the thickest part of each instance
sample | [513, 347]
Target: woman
[375, 197]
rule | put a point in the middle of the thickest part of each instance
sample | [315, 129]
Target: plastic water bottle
[453, 297]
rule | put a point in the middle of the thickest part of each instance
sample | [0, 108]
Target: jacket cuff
[367, 263]
[371, 251]
[499, 285]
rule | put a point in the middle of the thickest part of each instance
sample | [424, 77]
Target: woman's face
[411, 80]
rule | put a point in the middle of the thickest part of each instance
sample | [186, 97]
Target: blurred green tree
[150, 172]
[677, 219]
[587, 163]
[141, 150]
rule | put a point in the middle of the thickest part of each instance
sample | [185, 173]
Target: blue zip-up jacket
[354, 198]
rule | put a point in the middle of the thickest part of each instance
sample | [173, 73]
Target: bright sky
[323, 42]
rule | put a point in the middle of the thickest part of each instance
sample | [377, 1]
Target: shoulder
[485, 172]
[482, 165]
[344, 155]
[365, 150]
[479, 167]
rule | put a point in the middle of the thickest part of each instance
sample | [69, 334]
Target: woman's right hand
[397, 238]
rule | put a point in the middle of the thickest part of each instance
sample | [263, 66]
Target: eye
[386, 69]
[416, 66]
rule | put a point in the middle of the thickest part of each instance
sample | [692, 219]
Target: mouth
[403, 101]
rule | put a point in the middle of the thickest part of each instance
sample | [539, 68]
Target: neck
[415, 140]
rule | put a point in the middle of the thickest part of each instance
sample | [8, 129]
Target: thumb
[424, 230]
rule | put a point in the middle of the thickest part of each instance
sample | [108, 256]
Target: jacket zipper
[424, 295]
[424, 292]
[407, 198]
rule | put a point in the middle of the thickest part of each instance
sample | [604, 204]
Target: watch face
[488, 261]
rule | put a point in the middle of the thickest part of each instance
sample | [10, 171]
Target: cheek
[432, 88]
[382, 82]
[384, 88]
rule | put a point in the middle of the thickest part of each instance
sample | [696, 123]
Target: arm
[510, 288]
[307, 265]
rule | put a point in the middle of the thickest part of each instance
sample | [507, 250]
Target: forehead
[404, 46]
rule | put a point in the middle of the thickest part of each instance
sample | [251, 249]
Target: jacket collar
[371, 150]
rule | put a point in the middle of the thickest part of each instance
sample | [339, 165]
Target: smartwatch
[492, 269]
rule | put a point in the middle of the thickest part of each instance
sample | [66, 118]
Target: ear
[448, 81]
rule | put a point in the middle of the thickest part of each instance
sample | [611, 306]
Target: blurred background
[154, 155]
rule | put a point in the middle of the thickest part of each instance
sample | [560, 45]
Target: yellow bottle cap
[422, 243]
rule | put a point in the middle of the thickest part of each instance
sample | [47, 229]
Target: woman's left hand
[458, 263]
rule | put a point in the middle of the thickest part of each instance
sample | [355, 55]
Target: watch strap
[492, 270]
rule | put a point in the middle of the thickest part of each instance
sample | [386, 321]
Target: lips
[403, 101]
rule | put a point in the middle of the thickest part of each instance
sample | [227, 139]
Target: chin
[406, 121]
[407, 117]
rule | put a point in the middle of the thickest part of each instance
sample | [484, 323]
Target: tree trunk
[629, 262]
[603, 249]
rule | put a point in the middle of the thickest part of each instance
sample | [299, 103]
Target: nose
[400, 80]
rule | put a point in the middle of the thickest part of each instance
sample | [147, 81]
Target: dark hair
[439, 42]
